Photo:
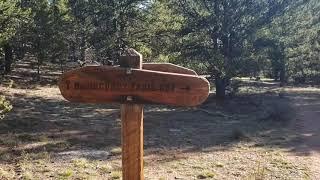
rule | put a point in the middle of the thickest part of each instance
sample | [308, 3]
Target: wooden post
[132, 126]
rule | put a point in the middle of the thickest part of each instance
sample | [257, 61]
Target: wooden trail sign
[133, 86]
[104, 84]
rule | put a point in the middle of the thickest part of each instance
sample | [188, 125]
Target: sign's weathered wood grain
[103, 84]
[168, 67]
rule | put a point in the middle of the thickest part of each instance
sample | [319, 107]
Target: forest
[222, 40]
[278, 39]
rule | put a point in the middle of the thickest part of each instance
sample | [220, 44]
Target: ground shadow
[25, 75]
[59, 127]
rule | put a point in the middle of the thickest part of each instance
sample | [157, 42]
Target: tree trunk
[282, 76]
[83, 49]
[220, 87]
[61, 66]
[8, 58]
[38, 70]
[276, 75]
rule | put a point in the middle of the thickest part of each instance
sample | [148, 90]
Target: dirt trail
[307, 107]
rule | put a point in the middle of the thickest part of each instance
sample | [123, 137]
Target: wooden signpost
[132, 85]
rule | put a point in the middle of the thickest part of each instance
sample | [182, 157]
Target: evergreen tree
[220, 33]
[11, 19]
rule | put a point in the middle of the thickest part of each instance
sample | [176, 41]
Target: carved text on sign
[113, 86]
[101, 84]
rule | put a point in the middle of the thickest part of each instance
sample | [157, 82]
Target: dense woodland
[278, 39]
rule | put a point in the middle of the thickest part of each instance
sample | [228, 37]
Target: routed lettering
[99, 84]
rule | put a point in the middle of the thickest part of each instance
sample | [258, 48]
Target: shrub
[5, 106]
[234, 87]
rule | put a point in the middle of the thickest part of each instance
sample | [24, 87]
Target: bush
[5, 106]
[234, 87]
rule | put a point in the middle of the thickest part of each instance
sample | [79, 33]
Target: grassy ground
[248, 136]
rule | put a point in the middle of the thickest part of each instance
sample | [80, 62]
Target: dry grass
[116, 175]
[243, 161]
